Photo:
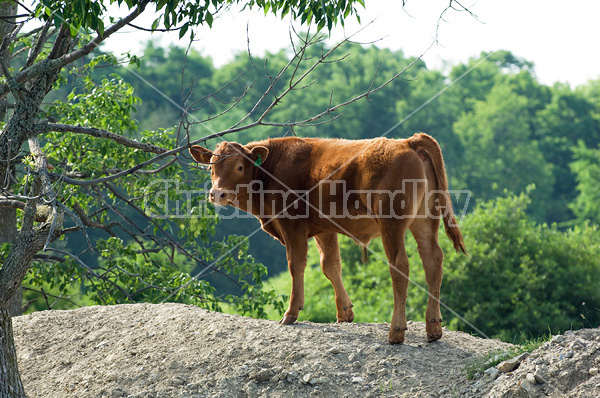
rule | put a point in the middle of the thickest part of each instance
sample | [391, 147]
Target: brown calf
[300, 188]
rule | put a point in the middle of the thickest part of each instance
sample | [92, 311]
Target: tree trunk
[15, 304]
[8, 216]
[8, 233]
[10, 381]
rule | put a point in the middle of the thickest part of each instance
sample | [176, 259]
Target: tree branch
[92, 272]
[17, 204]
[87, 222]
[239, 127]
[39, 44]
[11, 84]
[46, 294]
[50, 64]
[154, 30]
[99, 133]
[170, 240]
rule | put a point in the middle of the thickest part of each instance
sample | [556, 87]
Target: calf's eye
[240, 168]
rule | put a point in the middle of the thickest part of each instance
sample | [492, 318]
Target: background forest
[529, 155]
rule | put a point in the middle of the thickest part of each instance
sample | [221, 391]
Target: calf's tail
[424, 143]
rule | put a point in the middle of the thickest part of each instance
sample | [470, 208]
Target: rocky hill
[172, 350]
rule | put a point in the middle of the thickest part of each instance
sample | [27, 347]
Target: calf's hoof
[433, 337]
[288, 319]
[434, 329]
[347, 319]
[346, 316]
[396, 335]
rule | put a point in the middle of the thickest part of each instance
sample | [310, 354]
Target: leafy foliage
[98, 179]
[134, 266]
[184, 15]
[320, 12]
[586, 167]
[523, 278]
[498, 147]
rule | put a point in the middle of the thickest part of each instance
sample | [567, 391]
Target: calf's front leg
[296, 249]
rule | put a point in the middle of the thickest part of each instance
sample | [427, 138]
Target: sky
[558, 38]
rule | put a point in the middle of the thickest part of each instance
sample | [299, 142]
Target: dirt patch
[172, 350]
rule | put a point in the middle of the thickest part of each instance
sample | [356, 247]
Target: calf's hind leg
[425, 233]
[332, 268]
[392, 236]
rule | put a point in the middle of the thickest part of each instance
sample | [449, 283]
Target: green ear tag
[258, 162]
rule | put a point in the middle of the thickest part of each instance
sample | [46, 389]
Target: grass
[480, 364]
[383, 387]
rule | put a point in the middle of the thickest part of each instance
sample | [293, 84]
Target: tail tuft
[364, 259]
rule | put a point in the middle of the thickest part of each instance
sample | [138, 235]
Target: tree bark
[8, 216]
[8, 232]
[15, 304]
[29, 241]
[10, 381]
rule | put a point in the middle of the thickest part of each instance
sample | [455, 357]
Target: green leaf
[100, 27]
[183, 30]
[160, 4]
[321, 25]
[73, 30]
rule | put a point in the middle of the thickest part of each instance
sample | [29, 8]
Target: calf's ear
[200, 154]
[259, 155]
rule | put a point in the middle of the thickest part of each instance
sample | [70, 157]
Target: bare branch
[39, 44]
[41, 164]
[12, 84]
[154, 30]
[331, 109]
[264, 95]
[99, 133]
[452, 7]
[23, 6]
[85, 219]
[250, 53]
[9, 17]
[46, 294]
[216, 116]
[153, 171]
[170, 241]
[79, 222]
[92, 272]
[293, 85]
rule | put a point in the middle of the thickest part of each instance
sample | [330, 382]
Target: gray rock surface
[171, 350]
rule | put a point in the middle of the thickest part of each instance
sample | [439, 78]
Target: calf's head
[231, 166]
